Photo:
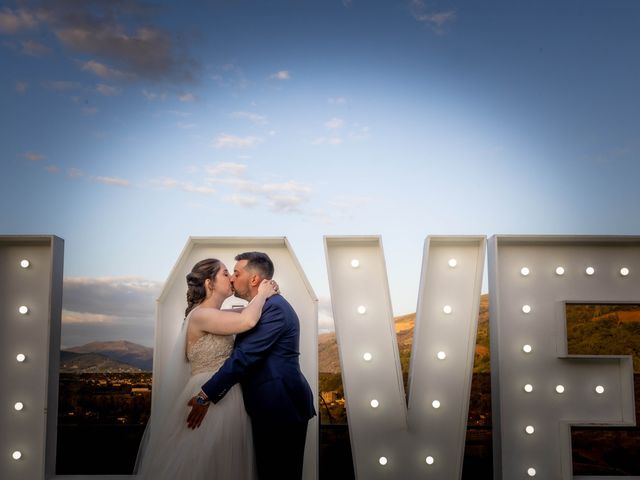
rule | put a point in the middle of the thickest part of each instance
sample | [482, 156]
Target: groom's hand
[197, 413]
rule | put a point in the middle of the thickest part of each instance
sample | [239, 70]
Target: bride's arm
[227, 322]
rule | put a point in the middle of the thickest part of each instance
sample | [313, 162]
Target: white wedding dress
[221, 448]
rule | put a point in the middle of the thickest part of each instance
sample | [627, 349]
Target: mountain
[121, 351]
[71, 362]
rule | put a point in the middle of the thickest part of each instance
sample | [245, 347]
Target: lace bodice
[208, 353]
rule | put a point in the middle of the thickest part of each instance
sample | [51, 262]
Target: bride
[222, 446]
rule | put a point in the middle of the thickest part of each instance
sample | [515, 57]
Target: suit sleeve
[252, 348]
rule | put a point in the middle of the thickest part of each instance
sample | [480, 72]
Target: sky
[128, 126]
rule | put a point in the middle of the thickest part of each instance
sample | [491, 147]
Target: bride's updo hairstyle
[196, 291]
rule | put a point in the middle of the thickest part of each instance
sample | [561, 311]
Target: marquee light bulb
[374, 403]
[526, 348]
[17, 455]
[524, 271]
[435, 404]
[355, 263]
[18, 406]
[560, 388]
[23, 309]
[624, 271]
[21, 357]
[25, 263]
[367, 357]
[452, 262]
[526, 308]
[590, 271]
[531, 472]
[529, 429]
[560, 271]
[442, 355]
[447, 309]
[429, 460]
[362, 309]
[528, 388]
[599, 389]
[382, 460]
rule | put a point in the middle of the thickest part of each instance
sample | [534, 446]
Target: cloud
[118, 182]
[337, 100]
[52, 169]
[244, 201]
[282, 197]
[436, 20]
[103, 71]
[325, 315]
[230, 76]
[226, 168]
[34, 49]
[281, 75]
[89, 110]
[61, 85]
[33, 156]
[186, 97]
[152, 96]
[328, 141]
[12, 22]
[231, 141]
[186, 126]
[173, 184]
[107, 90]
[21, 87]
[74, 173]
[252, 117]
[121, 33]
[108, 308]
[334, 123]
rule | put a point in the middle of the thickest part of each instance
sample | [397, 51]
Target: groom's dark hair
[258, 261]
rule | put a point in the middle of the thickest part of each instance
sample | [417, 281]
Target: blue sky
[129, 126]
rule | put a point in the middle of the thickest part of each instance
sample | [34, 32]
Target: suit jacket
[265, 362]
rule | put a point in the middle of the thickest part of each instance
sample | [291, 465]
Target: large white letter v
[389, 440]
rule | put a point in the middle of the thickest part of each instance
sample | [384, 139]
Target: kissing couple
[241, 408]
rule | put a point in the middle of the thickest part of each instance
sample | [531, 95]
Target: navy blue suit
[276, 395]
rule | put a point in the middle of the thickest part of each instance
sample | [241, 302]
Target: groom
[264, 360]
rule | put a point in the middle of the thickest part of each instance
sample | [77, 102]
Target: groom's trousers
[279, 449]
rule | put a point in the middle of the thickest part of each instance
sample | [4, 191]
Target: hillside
[72, 362]
[132, 354]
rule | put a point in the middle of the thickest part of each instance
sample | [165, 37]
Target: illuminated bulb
[529, 429]
[23, 310]
[374, 403]
[18, 406]
[20, 357]
[24, 263]
[526, 308]
[528, 388]
[599, 389]
[452, 262]
[560, 388]
[435, 404]
[531, 472]
[624, 271]
[17, 455]
[524, 271]
[447, 309]
[442, 355]
[429, 460]
[355, 263]
[367, 357]
[526, 348]
[382, 460]
[560, 271]
[590, 271]
[362, 309]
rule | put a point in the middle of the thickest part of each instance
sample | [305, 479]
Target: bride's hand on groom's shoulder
[197, 413]
[268, 288]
